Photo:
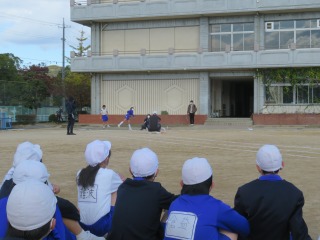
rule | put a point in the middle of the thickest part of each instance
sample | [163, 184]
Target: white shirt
[104, 111]
[95, 202]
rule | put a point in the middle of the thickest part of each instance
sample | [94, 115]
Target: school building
[157, 55]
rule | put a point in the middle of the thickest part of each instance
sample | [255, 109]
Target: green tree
[80, 50]
[78, 85]
[9, 77]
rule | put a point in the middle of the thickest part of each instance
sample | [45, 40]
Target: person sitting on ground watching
[272, 205]
[30, 210]
[140, 201]
[97, 189]
[203, 216]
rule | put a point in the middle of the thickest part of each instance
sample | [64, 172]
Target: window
[281, 34]
[269, 26]
[237, 36]
[287, 94]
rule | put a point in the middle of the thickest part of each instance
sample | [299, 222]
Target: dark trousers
[191, 116]
[70, 124]
[67, 209]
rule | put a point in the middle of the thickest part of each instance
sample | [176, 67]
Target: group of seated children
[114, 208]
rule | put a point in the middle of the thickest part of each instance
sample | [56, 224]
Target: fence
[42, 113]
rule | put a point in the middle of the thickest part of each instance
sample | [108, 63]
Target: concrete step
[229, 121]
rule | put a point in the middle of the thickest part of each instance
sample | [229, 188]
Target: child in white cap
[30, 210]
[140, 201]
[66, 228]
[198, 215]
[272, 205]
[97, 189]
[25, 151]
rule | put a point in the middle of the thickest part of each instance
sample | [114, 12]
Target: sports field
[230, 150]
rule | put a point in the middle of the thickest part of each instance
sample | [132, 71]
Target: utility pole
[63, 66]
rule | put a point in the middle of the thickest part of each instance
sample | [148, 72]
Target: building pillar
[205, 93]
[204, 34]
[95, 38]
[96, 78]
[96, 94]
[259, 95]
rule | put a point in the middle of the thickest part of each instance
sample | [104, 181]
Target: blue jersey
[3, 217]
[60, 232]
[129, 114]
[201, 217]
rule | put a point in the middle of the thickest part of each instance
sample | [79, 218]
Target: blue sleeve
[60, 231]
[3, 217]
[232, 221]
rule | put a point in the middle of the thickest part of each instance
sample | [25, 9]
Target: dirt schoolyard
[230, 150]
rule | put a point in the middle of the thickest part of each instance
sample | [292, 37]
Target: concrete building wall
[154, 41]
[179, 62]
[149, 93]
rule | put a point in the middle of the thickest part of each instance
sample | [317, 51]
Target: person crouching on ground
[154, 123]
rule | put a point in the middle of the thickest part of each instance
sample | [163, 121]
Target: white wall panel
[112, 40]
[146, 96]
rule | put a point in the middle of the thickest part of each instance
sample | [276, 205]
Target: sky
[32, 30]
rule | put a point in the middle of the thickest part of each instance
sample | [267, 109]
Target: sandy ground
[230, 150]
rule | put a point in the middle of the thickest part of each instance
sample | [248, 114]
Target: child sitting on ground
[196, 214]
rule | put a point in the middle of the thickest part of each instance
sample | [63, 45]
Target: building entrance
[232, 98]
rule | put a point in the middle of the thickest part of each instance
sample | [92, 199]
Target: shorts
[102, 226]
[105, 118]
[127, 117]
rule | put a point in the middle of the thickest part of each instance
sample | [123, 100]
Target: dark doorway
[243, 98]
[238, 98]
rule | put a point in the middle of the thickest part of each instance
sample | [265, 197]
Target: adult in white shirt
[97, 189]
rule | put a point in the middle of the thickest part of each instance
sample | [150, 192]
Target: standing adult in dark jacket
[71, 108]
[191, 111]
[140, 201]
[272, 205]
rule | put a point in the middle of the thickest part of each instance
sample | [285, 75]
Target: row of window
[285, 94]
[278, 35]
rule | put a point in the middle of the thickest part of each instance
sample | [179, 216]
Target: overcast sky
[32, 30]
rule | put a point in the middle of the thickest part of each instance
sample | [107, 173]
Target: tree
[78, 86]
[38, 85]
[81, 49]
[9, 66]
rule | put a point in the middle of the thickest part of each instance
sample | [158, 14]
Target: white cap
[143, 163]
[269, 158]
[31, 204]
[196, 170]
[154, 112]
[30, 170]
[27, 151]
[97, 151]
